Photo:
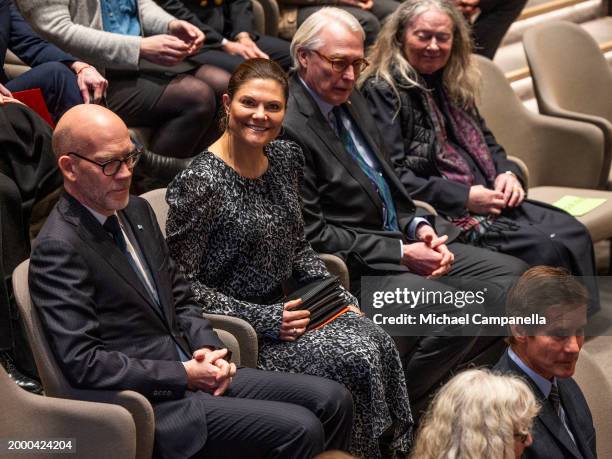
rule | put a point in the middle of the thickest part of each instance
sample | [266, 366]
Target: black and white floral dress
[238, 238]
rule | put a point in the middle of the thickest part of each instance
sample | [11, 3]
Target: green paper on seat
[577, 206]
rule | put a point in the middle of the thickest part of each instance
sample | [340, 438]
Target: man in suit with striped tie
[545, 355]
[119, 315]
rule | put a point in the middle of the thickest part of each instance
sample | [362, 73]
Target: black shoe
[20, 379]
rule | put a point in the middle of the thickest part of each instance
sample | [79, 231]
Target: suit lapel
[571, 412]
[321, 128]
[140, 226]
[92, 233]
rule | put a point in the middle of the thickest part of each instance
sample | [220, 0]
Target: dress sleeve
[191, 197]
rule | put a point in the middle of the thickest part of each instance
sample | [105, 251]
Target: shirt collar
[97, 215]
[543, 384]
[323, 106]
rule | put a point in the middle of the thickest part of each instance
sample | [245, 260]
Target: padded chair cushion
[598, 221]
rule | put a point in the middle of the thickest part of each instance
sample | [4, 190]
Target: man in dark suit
[546, 355]
[63, 80]
[119, 315]
[356, 207]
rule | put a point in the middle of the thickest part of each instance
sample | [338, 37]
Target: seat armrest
[523, 167]
[425, 205]
[336, 265]
[243, 332]
[137, 404]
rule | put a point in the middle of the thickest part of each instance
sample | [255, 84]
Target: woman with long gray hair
[422, 85]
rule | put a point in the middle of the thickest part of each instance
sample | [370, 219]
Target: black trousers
[495, 19]
[273, 414]
[276, 48]
[430, 360]
[370, 20]
[57, 82]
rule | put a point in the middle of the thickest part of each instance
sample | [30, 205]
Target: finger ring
[515, 189]
[294, 332]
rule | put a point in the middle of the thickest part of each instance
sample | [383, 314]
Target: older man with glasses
[356, 207]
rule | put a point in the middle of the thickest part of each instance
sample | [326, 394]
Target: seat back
[569, 70]
[157, 199]
[557, 152]
[598, 393]
[54, 382]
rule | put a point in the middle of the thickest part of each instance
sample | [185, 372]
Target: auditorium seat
[95, 430]
[572, 79]
[563, 157]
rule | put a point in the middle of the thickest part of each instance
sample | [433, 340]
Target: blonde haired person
[422, 86]
[478, 414]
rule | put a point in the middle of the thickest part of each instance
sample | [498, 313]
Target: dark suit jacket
[17, 35]
[217, 21]
[550, 439]
[343, 212]
[105, 330]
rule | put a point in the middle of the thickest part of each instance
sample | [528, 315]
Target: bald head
[84, 128]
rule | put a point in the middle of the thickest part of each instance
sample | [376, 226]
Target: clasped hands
[363, 4]
[430, 257]
[183, 40]
[208, 371]
[467, 7]
[507, 192]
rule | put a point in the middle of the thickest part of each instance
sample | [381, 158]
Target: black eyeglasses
[340, 65]
[113, 166]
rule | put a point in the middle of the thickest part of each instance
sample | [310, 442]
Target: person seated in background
[492, 20]
[545, 356]
[478, 414]
[63, 80]
[236, 230]
[140, 47]
[356, 207]
[28, 174]
[422, 93]
[369, 13]
[229, 32]
[119, 315]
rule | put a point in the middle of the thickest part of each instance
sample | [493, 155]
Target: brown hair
[254, 69]
[541, 287]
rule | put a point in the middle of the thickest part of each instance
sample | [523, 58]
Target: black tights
[187, 110]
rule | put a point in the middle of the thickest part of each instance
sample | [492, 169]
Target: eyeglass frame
[135, 153]
[332, 62]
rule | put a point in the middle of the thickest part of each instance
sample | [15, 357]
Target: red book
[33, 98]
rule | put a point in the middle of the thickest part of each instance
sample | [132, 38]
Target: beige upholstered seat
[564, 157]
[572, 79]
[595, 384]
[97, 430]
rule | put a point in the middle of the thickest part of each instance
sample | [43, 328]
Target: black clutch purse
[323, 298]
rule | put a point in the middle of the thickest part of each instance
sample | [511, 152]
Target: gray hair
[476, 415]
[461, 77]
[308, 34]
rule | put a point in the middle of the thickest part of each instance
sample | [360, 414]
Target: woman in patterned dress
[235, 227]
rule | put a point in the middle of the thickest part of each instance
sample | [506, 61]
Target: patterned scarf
[452, 164]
